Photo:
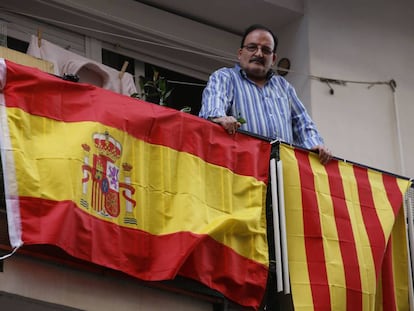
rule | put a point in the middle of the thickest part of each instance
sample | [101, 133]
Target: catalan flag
[136, 187]
[346, 235]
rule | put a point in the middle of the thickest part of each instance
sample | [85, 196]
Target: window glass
[116, 61]
[185, 90]
[16, 44]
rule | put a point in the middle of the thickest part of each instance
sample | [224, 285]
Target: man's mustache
[257, 59]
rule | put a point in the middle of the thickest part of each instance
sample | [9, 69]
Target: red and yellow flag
[346, 235]
[133, 186]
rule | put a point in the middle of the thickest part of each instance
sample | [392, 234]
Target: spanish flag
[346, 235]
[133, 186]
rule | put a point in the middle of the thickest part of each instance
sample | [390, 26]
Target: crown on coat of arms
[107, 146]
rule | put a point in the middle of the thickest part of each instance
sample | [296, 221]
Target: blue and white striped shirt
[273, 111]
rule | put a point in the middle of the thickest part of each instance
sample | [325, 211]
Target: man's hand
[325, 154]
[229, 123]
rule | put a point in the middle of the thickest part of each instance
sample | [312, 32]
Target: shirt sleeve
[304, 129]
[217, 96]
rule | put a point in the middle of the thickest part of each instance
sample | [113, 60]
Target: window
[116, 61]
[16, 44]
[186, 90]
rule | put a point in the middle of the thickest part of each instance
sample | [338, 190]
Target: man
[266, 102]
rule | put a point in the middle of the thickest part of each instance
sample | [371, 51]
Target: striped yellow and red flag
[346, 234]
[133, 186]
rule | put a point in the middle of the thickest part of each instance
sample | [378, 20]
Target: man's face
[257, 57]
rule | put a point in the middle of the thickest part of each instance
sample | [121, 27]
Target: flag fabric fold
[346, 234]
[132, 186]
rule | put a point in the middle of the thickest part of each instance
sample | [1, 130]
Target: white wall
[364, 41]
[294, 45]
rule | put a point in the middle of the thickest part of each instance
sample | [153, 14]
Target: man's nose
[259, 51]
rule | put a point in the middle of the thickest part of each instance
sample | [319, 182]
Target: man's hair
[259, 27]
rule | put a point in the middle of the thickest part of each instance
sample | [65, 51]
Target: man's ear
[239, 54]
[274, 59]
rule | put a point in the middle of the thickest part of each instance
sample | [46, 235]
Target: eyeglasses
[254, 47]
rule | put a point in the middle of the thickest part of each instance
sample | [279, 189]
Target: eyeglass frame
[253, 47]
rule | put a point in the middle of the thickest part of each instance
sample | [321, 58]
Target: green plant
[154, 90]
